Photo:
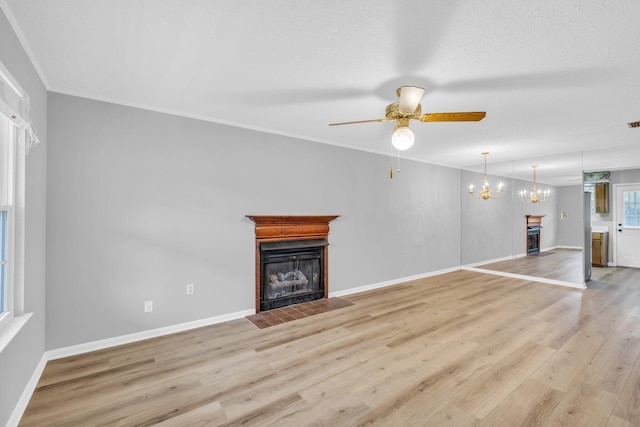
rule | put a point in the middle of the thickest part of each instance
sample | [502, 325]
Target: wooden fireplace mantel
[287, 227]
[534, 219]
[273, 228]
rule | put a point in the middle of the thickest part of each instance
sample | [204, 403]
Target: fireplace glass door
[290, 275]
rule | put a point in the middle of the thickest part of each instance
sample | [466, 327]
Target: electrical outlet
[191, 289]
[148, 306]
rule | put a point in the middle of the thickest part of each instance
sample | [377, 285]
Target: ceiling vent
[634, 124]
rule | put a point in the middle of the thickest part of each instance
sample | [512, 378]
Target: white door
[627, 224]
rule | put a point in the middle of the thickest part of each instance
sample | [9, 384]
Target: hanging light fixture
[536, 195]
[486, 192]
[402, 138]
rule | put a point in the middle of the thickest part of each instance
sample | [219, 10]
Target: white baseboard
[530, 278]
[138, 336]
[473, 267]
[390, 282]
[489, 261]
[21, 406]
[519, 255]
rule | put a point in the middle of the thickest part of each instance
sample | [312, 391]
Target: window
[17, 135]
[7, 191]
[631, 206]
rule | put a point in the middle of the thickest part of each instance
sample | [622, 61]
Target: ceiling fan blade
[359, 121]
[410, 97]
[453, 117]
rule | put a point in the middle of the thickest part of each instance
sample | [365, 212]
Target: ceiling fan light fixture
[402, 138]
[410, 97]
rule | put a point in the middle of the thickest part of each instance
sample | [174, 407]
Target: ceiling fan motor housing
[393, 112]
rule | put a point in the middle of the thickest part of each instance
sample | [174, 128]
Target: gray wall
[19, 359]
[142, 203]
[496, 228]
[486, 225]
[630, 176]
[570, 230]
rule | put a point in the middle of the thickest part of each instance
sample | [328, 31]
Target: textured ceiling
[558, 79]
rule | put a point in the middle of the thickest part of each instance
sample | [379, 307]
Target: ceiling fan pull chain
[391, 163]
[398, 162]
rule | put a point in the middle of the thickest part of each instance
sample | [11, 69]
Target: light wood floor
[558, 264]
[459, 349]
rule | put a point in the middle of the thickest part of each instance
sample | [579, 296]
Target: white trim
[11, 328]
[491, 261]
[21, 406]
[473, 267]
[139, 336]
[25, 397]
[524, 254]
[564, 247]
[468, 267]
[27, 393]
[14, 284]
[11, 81]
[390, 282]
[18, 230]
[530, 278]
[613, 236]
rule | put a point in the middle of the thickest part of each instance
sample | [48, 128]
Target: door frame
[613, 238]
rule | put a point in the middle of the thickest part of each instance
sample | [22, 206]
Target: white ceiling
[558, 79]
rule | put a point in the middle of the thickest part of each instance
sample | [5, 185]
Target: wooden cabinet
[602, 197]
[599, 249]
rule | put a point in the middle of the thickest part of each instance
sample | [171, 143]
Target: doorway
[627, 225]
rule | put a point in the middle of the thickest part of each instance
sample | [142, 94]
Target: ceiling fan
[408, 108]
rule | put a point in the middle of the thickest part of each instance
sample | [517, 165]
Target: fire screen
[291, 272]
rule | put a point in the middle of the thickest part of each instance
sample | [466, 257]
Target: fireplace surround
[534, 227]
[291, 259]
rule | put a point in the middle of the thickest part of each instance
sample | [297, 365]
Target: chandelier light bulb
[486, 192]
[536, 195]
[402, 138]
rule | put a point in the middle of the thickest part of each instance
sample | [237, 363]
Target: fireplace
[533, 239]
[291, 272]
[291, 259]
[534, 226]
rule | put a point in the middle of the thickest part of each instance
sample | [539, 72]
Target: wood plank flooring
[558, 264]
[459, 349]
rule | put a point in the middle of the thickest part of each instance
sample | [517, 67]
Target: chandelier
[536, 195]
[486, 192]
